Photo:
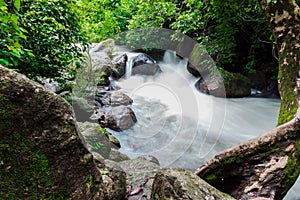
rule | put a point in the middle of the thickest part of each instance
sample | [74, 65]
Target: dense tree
[10, 34]
[102, 19]
[38, 37]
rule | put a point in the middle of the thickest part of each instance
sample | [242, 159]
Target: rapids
[182, 127]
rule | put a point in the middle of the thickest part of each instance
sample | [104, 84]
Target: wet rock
[182, 184]
[118, 98]
[146, 69]
[96, 141]
[145, 65]
[138, 171]
[117, 156]
[230, 85]
[83, 110]
[193, 70]
[39, 126]
[113, 98]
[149, 158]
[116, 118]
[93, 134]
[142, 59]
[114, 180]
[119, 66]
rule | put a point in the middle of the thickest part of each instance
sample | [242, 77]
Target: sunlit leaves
[10, 33]
[53, 30]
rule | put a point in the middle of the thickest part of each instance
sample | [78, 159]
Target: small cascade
[129, 65]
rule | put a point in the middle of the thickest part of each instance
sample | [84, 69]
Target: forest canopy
[38, 37]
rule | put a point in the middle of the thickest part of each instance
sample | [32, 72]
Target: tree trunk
[284, 18]
[269, 165]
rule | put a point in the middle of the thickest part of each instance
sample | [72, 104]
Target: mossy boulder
[175, 183]
[225, 84]
[41, 154]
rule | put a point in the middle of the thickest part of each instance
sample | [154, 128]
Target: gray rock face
[48, 149]
[200, 62]
[182, 184]
[138, 172]
[116, 118]
[100, 55]
[119, 66]
[144, 65]
[113, 98]
[228, 85]
[142, 59]
[146, 69]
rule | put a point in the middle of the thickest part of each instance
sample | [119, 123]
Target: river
[184, 128]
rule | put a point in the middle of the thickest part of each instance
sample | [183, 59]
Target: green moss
[287, 75]
[110, 137]
[211, 178]
[292, 168]
[6, 116]
[24, 170]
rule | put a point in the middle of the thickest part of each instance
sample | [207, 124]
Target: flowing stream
[184, 128]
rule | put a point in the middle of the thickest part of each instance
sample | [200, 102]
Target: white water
[182, 127]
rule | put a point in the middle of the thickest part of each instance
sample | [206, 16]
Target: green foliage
[101, 19]
[52, 33]
[157, 13]
[10, 34]
[224, 26]
[38, 38]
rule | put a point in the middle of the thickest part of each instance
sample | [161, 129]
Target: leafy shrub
[38, 37]
[10, 34]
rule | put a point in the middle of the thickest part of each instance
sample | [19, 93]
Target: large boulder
[116, 118]
[141, 59]
[41, 153]
[112, 98]
[230, 85]
[119, 66]
[101, 56]
[140, 174]
[146, 69]
[181, 184]
[200, 63]
[144, 65]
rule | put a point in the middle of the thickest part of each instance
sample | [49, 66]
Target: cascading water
[182, 127]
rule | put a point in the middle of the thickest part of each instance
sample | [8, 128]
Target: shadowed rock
[41, 153]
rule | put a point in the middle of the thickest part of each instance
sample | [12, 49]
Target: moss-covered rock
[41, 154]
[224, 84]
[182, 184]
